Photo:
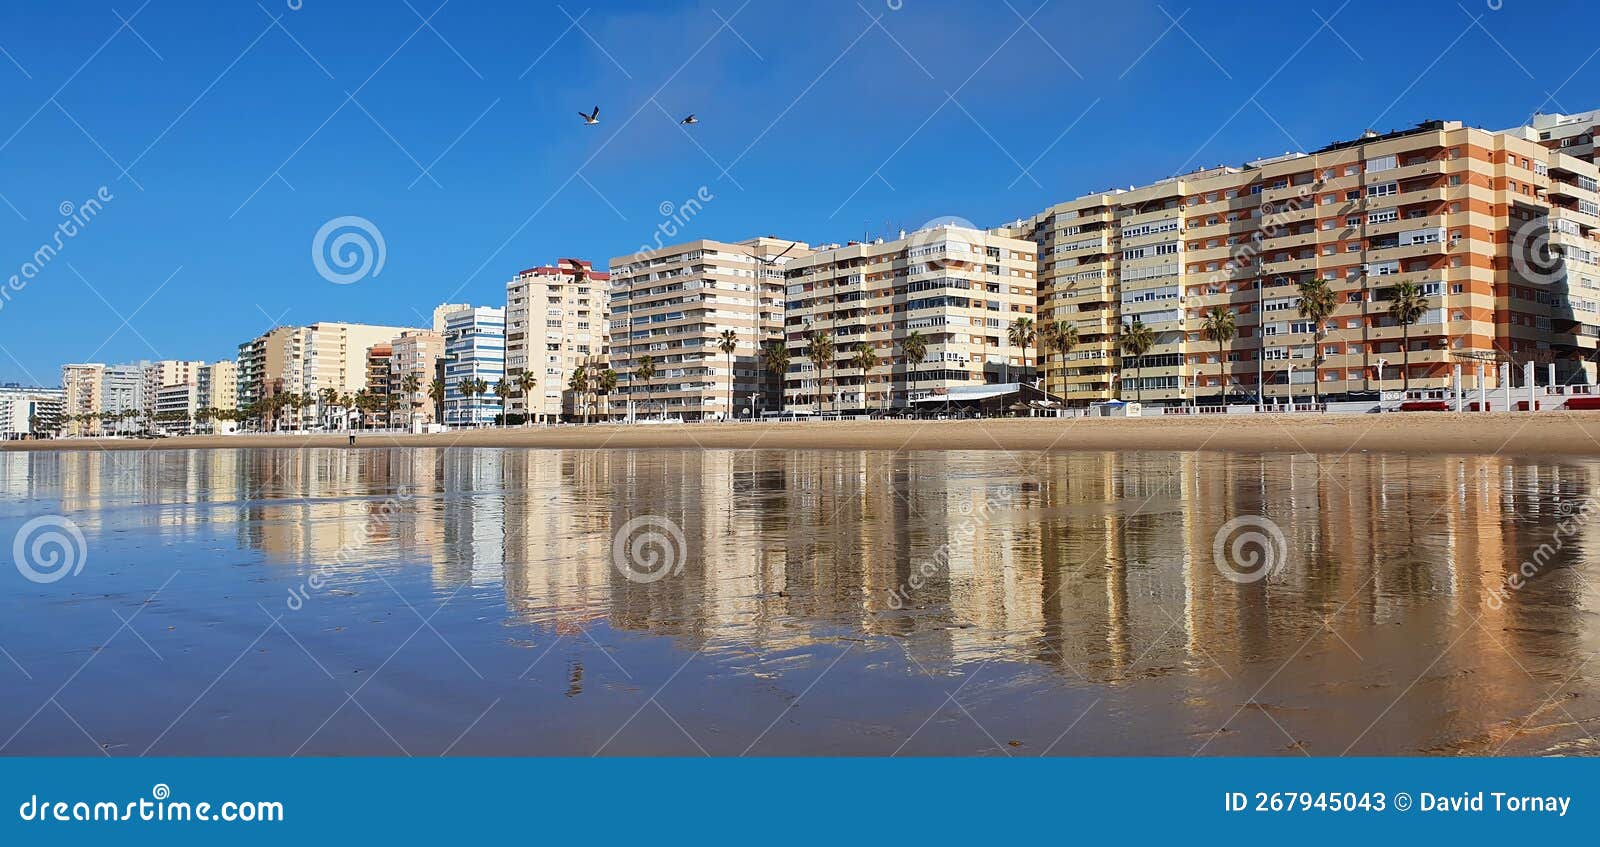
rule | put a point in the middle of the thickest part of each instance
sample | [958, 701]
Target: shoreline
[1504, 433]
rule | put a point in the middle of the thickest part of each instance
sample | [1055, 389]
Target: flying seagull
[591, 119]
[689, 120]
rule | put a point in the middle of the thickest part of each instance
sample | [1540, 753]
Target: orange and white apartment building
[961, 287]
[1467, 215]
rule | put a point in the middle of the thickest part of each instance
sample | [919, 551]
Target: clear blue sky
[243, 140]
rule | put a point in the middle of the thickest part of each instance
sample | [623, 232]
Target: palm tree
[436, 393]
[1406, 305]
[915, 349]
[1219, 326]
[411, 385]
[1021, 333]
[580, 389]
[329, 398]
[1136, 340]
[1317, 302]
[646, 370]
[775, 357]
[468, 388]
[728, 342]
[606, 385]
[1061, 336]
[819, 349]
[525, 383]
[864, 359]
[502, 390]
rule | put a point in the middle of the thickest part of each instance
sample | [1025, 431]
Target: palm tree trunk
[1405, 358]
[1222, 373]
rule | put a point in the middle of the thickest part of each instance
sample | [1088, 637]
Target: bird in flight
[592, 118]
[689, 120]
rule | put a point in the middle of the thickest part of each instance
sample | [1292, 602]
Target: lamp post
[1382, 363]
[1289, 386]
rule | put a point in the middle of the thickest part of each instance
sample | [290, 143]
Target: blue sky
[462, 145]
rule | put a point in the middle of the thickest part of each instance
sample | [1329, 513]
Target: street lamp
[1289, 386]
[1382, 363]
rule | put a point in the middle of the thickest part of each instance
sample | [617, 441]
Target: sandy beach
[1541, 434]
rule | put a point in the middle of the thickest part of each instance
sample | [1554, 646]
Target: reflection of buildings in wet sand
[557, 535]
[474, 505]
[170, 490]
[1096, 564]
[727, 505]
[340, 507]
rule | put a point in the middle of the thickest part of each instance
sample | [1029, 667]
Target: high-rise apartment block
[415, 361]
[308, 361]
[1463, 214]
[555, 323]
[671, 305]
[962, 289]
[475, 349]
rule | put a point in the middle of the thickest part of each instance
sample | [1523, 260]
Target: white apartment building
[475, 348]
[20, 405]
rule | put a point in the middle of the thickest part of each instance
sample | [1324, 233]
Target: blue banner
[246, 801]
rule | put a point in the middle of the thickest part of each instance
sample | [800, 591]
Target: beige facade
[443, 311]
[81, 384]
[159, 375]
[1456, 211]
[308, 360]
[1570, 134]
[416, 353]
[556, 321]
[673, 304]
[961, 288]
[218, 385]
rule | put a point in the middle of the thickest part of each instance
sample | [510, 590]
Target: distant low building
[30, 412]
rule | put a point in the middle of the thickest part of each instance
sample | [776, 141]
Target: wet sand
[1542, 434]
[489, 602]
